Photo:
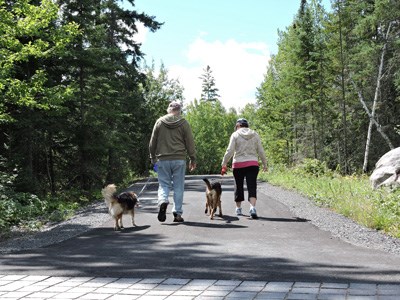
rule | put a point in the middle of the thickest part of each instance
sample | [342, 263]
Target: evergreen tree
[209, 91]
[33, 40]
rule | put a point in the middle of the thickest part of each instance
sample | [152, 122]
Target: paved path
[277, 256]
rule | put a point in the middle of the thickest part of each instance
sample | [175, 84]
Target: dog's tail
[109, 193]
[207, 183]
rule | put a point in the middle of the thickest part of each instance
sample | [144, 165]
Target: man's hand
[192, 167]
[224, 169]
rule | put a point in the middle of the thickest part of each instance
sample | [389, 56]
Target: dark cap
[242, 122]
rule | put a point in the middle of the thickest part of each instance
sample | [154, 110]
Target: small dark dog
[213, 197]
[119, 204]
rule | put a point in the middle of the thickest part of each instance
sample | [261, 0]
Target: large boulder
[387, 170]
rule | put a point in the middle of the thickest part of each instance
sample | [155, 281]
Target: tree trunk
[372, 114]
[343, 102]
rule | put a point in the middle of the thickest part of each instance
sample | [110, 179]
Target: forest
[79, 100]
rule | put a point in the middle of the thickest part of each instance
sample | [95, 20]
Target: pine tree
[209, 91]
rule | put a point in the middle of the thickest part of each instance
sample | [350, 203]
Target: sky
[234, 37]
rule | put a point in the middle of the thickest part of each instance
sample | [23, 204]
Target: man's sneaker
[162, 212]
[239, 211]
[253, 213]
[178, 218]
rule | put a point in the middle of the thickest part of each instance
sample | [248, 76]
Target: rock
[387, 170]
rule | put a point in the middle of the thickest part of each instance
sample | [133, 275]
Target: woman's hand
[224, 169]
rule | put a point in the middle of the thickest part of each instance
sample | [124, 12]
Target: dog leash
[141, 191]
[144, 187]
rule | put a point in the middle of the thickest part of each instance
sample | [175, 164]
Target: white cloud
[238, 69]
[142, 31]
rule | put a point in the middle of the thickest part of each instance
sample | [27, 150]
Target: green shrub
[313, 167]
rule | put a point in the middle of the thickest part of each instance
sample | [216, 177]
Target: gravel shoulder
[96, 214]
[327, 220]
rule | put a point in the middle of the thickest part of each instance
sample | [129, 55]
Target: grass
[351, 196]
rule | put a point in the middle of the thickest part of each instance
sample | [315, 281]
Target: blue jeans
[171, 176]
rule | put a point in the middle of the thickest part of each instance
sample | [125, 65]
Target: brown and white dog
[119, 204]
[213, 197]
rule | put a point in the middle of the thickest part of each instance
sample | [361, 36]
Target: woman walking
[245, 147]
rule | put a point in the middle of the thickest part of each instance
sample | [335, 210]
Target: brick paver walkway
[47, 287]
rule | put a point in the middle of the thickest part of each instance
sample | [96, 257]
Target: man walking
[170, 142]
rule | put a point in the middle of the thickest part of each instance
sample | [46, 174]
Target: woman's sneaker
[253, 213]
[239, 211]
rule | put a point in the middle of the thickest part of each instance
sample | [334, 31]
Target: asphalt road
[276, 247]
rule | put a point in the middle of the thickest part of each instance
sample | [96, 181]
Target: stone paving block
[301, 296]
[241, 295]
[159, 293]
[307, 284]
[41, 295]
[179, 298]
[68, 283]
[123, 297]
[143, 286]
[228, 282]
[178, 281]
[168, 287]
[32, 288]
[388, 292]
[208, 298]
[221, 288]
[187, 293]
[131, 291]
[357, 297]
[122, 283]
[5, 282]
[68, 295]
[194, 287]
[105, 290]
[331, 297]
[201, 282]
[56, 289]
[369, 286]
[271, 296]
[152, 280]
[13, 286]
[13, 277]
[95, 296]
[152, 297]
[330, 285]
[362, 292]
[82, 289]
[126, 281]
[278, 286]
[81, 279]
[248, 288]
[333, 291]
[102, 280]
[388, 287]
[305, 290]
[54, 280]
[16, 295]
[35, 278]
[253, 283]
[213, 293]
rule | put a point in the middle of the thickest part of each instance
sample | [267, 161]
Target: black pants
[250, 173]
